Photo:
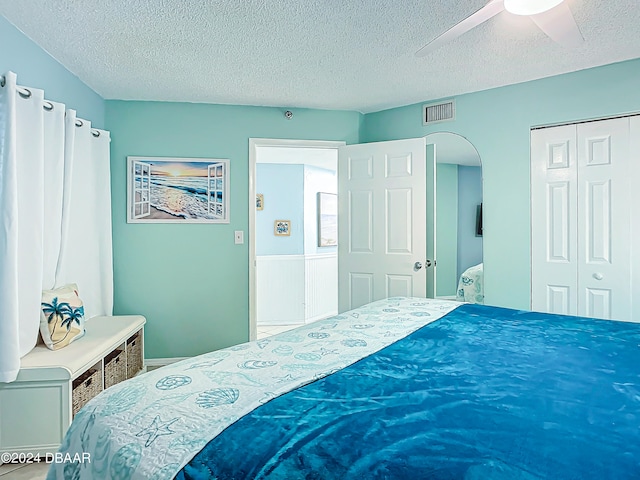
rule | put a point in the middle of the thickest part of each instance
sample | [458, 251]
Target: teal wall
[283, 189]
[36, 68]
[497, 123]
[446, 229]
[190, 280]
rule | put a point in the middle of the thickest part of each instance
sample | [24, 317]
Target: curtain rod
[47, 105]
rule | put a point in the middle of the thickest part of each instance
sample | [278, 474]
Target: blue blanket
[483, 393]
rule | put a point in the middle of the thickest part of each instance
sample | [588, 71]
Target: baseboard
[161, 362]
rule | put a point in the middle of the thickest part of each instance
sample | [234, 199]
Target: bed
[400, 388]
[471, 285]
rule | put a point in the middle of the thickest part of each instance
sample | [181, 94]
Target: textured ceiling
[332, 54]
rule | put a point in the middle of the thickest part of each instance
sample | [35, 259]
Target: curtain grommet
[24, 92]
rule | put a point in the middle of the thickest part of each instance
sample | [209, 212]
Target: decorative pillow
[62, 316]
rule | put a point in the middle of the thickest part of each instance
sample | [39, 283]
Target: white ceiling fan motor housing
[530, 7]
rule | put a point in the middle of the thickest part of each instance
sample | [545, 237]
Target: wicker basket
[85, 387]
[134, 354]
[115, 368]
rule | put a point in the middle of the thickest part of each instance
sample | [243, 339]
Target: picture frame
[282, 228]
[177, 190]
[327, 219]
[259, 201]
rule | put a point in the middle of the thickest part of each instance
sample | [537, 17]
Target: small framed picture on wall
[259, 201]
[282, 228]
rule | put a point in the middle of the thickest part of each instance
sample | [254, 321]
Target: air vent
[438, 112]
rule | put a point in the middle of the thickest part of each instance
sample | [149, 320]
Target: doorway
[451, 152]
[290, 270]
[455, 219]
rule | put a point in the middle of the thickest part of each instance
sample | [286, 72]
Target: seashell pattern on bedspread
[152, 425]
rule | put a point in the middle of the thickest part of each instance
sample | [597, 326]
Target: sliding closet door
[604, 219]
[554, 205]
[581, 219]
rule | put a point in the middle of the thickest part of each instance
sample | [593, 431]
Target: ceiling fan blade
[559, 24]
[485, 13]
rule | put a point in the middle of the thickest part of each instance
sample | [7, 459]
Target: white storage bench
[37, 409]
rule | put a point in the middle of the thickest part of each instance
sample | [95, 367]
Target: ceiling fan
[553, 17]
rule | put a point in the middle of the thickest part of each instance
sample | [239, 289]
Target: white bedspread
[149, 427]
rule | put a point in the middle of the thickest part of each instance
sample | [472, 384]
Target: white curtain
[55, 215]
[86, 254]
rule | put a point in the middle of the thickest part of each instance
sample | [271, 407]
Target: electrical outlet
[238, 237]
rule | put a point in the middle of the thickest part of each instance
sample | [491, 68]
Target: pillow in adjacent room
[61, 316]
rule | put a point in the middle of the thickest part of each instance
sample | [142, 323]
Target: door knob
[428, 263]
[598, 276]
[417, 266]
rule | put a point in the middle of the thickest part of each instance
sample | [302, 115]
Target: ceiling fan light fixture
[530, 7]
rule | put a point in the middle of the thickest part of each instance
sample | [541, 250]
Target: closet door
[554, 205]
[581, 211]
[604, 219]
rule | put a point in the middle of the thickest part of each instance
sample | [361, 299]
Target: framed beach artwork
[282, 228]
[177, 190]
[259, 201]
[327, 219]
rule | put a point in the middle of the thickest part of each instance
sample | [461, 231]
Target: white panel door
[554, 203]
[381, 229]
[604, 220]
[581, 219]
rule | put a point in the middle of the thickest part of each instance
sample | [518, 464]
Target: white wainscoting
[280, 289]
[296, 289]
[321, 281]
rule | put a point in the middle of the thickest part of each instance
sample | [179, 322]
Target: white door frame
[253, 153]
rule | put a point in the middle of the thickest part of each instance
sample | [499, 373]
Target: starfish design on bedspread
[157, 429]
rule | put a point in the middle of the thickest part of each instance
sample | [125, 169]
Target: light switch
[238, 237]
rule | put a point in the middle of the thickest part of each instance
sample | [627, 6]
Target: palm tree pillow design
[62, 318]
